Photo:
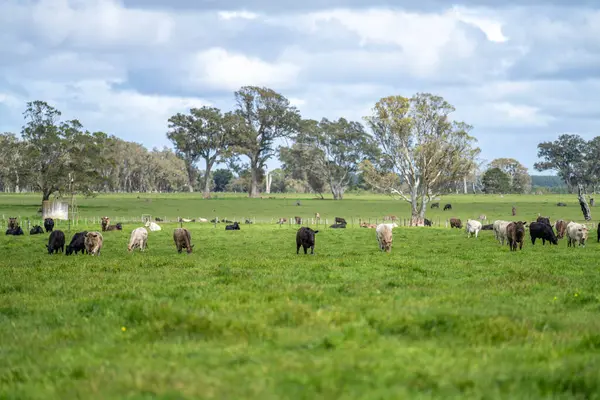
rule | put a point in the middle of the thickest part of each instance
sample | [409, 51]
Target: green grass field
[243, 316]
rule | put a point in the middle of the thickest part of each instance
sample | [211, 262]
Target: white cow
[202, 220]
[576, 233]
[500, 230]
[139, 238]
[473, 227]
[384, 236]
[153, 226]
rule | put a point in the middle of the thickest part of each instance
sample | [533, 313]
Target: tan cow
[182, 238]
[384, 237]
[93, 243]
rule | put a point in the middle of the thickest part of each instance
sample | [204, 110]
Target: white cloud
[219, 69]
[227, 15]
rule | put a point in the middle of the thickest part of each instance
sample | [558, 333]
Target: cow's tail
[186, 237]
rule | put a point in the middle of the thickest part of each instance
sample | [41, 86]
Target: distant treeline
[547, 181]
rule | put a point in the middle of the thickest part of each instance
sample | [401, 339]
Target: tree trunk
[465, 185]
[46, 194]
[254, 181]
[190, 171]
[585, 209]
[206, 193]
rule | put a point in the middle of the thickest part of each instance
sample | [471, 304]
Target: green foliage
[566, 156]
[496, 181]
[221, 178]
[267, 116]
[518, 178]
[422, 145]
[244, 317]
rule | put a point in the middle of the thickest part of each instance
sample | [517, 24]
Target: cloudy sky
[518, 74]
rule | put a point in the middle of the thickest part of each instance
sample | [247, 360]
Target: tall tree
[267, 116]
[519, 179]
[56, 148]
[496, 181]
[566, 157]
[221, 178]
[422, 149]
[205, 133]
[339, 147]
[13, 167]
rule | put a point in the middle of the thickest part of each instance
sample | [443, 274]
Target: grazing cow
[560, 204]
[93, 243]
[339, 220]
[455, 223]
[282, 221]
[487, 227]
[543, 220]
[514, 211]
[500, 230]
[482, 217]
[298, 203]
[248, 222]
[561, 228]
[384, 237]
[234, 227]
[473, 227]
[158, 219]
[15, 231]
[448, 207]
[305, 238]
[338, 226]
[153, 226]
[138, 239]
[390, 218]
[183, 239]
[56, 242]
[298, 220]
[515, 233]
[105, 223]
[117, 227]
[541, 230]
[202, 220]
[36, 230]
[12, 222]
[77, 244]
[576, 234]
[435, 205]
[427, 222]
[49, 224]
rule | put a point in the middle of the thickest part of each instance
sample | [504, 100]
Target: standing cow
[541, 230]
[305, 238]
[576, 234]
[183, 239]
[93, 243]
[515, 233]
[561, 228]
[500, 230]
[384, 237]
[455, 223]
[138, 239]
[48, 224]
[473, 227]
[448, 207]
[56, 242]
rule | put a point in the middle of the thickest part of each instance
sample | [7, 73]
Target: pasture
[243, 316]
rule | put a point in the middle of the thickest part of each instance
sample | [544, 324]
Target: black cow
[234, 227]
[158, 219]
[541, 230]
[435, 205]
[544, 220]
[448, 207]
[559, 204]
[488, 227]
[56, 242]
[14, 231]
[338, 226]
[77, 244]
[248, 222]
[427, 222]
[599, 231]
[305, 237]
[36, 230]
[339, 220]
[49, 224]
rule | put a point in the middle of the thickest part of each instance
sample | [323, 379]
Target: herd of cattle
[513, 233]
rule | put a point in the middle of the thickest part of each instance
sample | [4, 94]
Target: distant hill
[547, 181]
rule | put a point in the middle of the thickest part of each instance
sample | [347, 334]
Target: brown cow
[561, 228]
[390, 218]
[515, 233]
[12, 223]
[282, 221]
[298, 220]
[182, 238]
[105, 223]
[455, 223]
[514, 211]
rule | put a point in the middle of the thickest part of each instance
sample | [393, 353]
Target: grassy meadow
[244, 317]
